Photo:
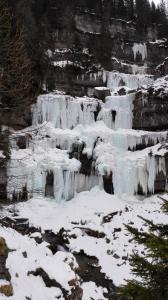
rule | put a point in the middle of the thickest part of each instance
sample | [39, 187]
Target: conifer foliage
[15, 63]
[152, 268]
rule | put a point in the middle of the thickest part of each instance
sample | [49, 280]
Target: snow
[86, 210]
[160, 86]
[91, 291]
[24, 285]
[2, 155]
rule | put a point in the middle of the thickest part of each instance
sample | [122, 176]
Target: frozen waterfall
[77, 143]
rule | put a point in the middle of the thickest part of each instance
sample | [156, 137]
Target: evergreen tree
[121, 9]
[162, 18]
[130, 9]
[143, 13]
[152, 268]
[153, 12]
[15, 63]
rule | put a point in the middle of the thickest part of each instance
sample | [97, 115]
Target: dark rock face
[150, 111]
[3, 179]
[17, 115]
[82, 38]
[108, 183]
[49, 187]
[101, 93]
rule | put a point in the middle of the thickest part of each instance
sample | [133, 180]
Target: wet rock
[90, 271]
[108, 183]
[22, 142]
[24, 254]
[47, 280]
[117, 230]
[92, 233]
[56, 240]
[122, 92]
[114, 113]
[76, 291]
[109, 217]
[21, 225]
[116, 256]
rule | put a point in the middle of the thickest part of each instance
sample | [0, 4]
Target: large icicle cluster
[75, 144]
[64, 111]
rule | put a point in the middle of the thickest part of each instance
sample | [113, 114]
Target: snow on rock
[2, 155]
[117, 80]
[60, 267]
[91, 291]
[160, 86]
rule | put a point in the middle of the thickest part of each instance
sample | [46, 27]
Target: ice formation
[132, 172]
[140, 49]
[139, 69]
[117, 111]
[75, 144]
[64, 111]
[117, 80]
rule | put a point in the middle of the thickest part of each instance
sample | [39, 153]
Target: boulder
[6, 290]
[101, 92]
[5, 285]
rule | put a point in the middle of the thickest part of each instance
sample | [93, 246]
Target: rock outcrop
[5, 284]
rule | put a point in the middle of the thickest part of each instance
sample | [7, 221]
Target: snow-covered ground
[95, 224]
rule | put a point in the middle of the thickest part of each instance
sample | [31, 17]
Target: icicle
[123, 106]
[139, 48]
[117, 80]
[63, 111]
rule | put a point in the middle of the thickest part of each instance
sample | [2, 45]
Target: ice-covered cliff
[75, 144]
